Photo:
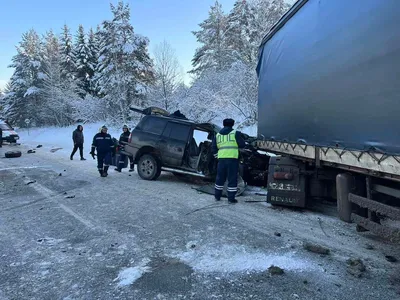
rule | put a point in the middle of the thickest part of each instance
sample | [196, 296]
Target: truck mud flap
[286, 184]
[386, 231]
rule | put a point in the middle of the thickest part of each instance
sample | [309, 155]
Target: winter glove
[92, 154]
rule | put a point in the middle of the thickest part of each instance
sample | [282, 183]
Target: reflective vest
[227, 145]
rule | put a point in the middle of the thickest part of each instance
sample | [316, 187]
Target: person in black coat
[78, 139]
[123, 139]
[104, 146]
[1, 137]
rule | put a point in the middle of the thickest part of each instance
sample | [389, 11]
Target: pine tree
[239, 31]
[266, 13]
[214, 54]
[81, 53]
[67, 55]
[93, 47]
[56, 108]
[24, 97]
[125, 69]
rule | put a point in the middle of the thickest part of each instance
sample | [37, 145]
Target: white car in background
[9, 134]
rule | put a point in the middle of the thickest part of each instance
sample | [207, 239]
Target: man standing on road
[123, 139]
[104, 145]
[225, 147]
[78, 139]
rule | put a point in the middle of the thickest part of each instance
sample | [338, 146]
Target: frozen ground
[66, 233]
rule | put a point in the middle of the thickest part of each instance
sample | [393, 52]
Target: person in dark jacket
[225, 147]
[104, 146]
[78, 139]
[1, 137]
[123, 139]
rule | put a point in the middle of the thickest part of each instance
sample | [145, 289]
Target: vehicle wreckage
[170, 142]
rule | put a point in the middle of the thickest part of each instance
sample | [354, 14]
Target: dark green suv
[164, 142]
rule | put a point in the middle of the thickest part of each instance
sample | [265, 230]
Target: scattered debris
[31, 151]
[65, 193]
[305, 281]
[277, 234]
[39, 146]
[12, 154]
[320, 225]
[70, 197]
[355, 267]
[55, 149]
[359, 228]
[60, 174]
[369, 247]
[338, 284]
[274, 270]
[30, 182]
[316, 248]
[261, 194]
[193, 246]
[391, 259]
[295, 296]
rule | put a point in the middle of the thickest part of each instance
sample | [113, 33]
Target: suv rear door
[173, 143]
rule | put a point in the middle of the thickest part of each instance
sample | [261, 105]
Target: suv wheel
[148, 167]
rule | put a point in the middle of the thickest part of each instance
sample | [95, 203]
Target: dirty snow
[130, 275]
[239, 259]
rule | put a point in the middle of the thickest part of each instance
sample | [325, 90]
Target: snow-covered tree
[57, 94]
[82, 53]
[239, 33]
[168, 76]
[214, 52]
[67, 56]
[93, 47]
[266, 13]
[27, 80]
[125, 69]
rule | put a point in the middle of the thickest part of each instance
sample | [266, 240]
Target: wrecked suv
[170, 142]
[162, 142]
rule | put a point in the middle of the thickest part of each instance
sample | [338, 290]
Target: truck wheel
[148, 167]
[12, 154]
[344, 185]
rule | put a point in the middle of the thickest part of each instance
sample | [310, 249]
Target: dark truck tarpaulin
[329, 75]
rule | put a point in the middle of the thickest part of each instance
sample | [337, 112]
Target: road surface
[67, 233]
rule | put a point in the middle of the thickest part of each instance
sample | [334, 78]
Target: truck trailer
[328, 107]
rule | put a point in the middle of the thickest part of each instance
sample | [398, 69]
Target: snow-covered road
[67, 233]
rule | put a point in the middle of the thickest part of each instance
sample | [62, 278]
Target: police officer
[123, 139]
[225, 147]
[104, 145]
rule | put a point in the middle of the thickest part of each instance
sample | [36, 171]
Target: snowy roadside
[60, 138]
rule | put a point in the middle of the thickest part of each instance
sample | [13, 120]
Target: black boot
[132, 168]
[105, 171]
[101, 173]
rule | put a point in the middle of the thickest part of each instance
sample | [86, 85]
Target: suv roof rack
[153, 110]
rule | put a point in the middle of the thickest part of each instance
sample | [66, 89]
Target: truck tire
[12, 154]
[148, 167]
[344, 185]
